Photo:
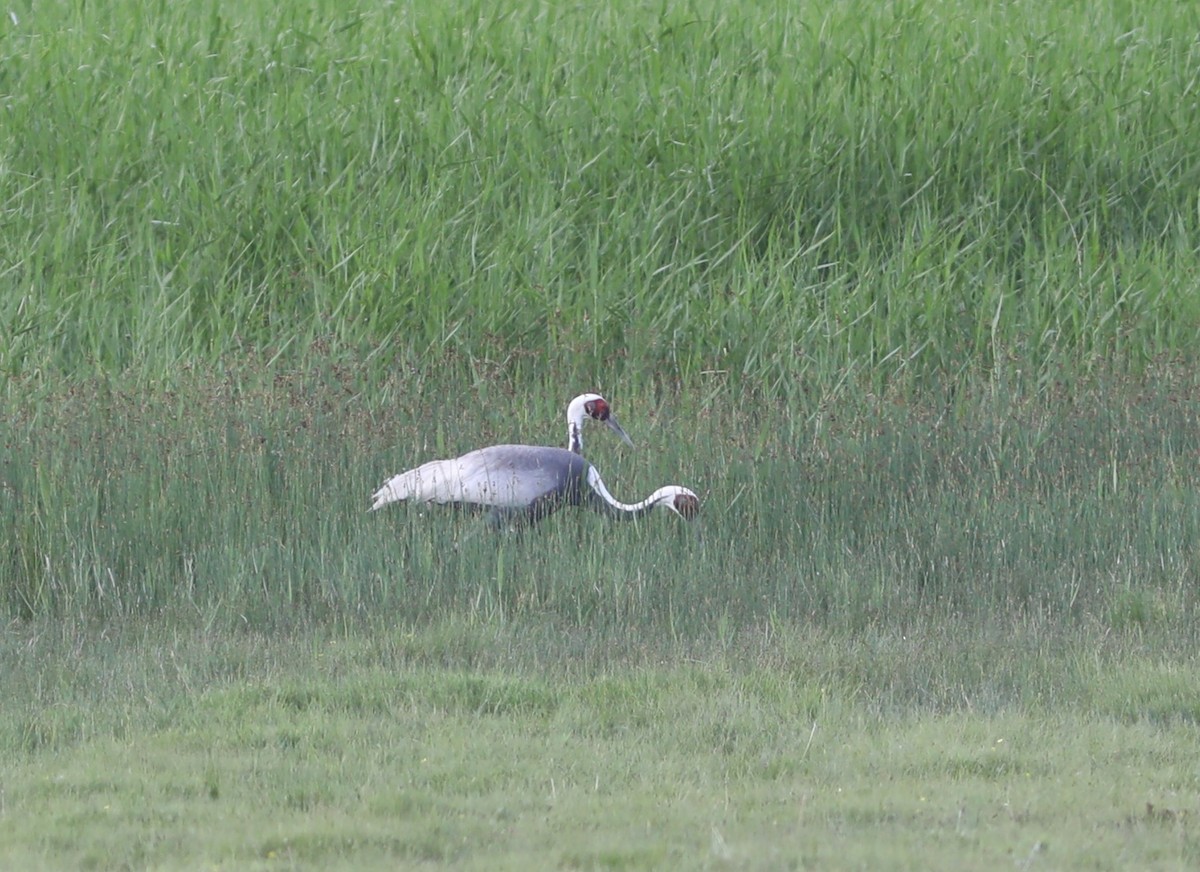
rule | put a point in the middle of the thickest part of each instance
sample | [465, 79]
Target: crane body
[504, 477]
[523, 483]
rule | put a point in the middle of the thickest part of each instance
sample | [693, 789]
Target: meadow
[907, 294]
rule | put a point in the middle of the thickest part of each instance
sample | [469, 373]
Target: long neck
[615, 507]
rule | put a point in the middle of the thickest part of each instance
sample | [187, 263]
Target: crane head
[596, 408]
[681, 501]
[686, 504]
[673, 497]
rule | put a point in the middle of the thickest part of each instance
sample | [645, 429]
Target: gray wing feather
[502, 476]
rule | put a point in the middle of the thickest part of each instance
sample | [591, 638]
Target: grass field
[509, 746]
[907, 294]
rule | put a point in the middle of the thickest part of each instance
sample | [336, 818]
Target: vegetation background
[907, 293]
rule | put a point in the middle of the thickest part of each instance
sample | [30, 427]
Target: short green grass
[182, 749]
[907, 293]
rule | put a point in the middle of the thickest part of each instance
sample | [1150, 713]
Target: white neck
[627, 510]
[575, 417]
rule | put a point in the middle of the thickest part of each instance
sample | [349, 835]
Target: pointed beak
[611, 421]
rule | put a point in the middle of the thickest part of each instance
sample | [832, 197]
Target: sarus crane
[522, 484]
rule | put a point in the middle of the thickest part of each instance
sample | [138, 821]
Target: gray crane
[525, 483]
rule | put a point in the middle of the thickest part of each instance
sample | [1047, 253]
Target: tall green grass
[769, 190]
[243, 503]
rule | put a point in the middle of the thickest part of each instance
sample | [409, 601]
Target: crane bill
[611, 423]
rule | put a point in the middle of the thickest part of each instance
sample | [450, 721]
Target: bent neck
[616, 508]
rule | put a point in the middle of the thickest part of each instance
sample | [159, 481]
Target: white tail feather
[439, 481]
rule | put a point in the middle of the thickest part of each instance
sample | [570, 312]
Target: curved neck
[615, 507]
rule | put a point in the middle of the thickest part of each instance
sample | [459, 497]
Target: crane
[525, 483]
